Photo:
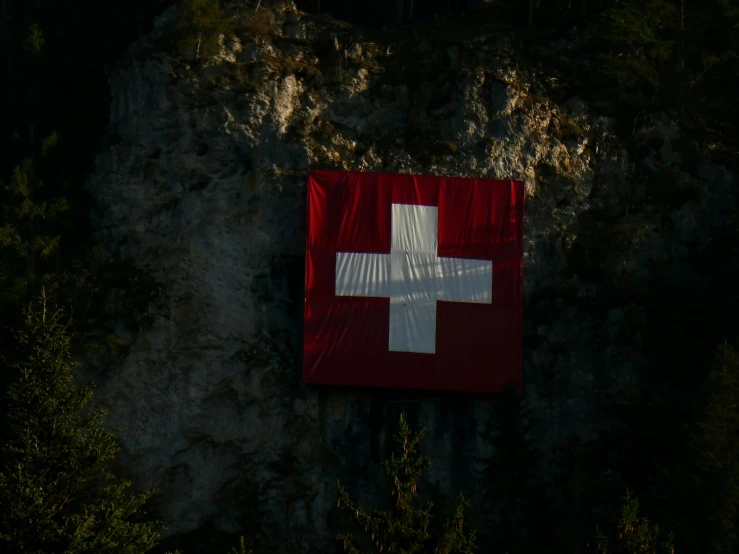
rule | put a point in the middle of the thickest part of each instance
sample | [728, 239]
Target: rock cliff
[203, 179]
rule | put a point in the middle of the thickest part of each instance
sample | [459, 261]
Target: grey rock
[207, 186]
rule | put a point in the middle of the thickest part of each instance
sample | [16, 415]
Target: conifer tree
[30, 228]
[31, 212]
[633, 533]
[403, 527]
[56, 492]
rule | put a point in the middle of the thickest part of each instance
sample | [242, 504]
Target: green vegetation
[56, 490]
[31, 208]
[639, 57]
[200, 28]
[674, 435]
[44, 239]
[30, 238]
[403, 527]
[257, 25]
[633, 534]
[632, 41]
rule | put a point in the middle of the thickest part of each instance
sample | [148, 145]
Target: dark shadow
[379, 13]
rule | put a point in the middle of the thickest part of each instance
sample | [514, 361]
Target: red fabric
[478, 346]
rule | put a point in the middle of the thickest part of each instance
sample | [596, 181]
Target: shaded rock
[210, 400]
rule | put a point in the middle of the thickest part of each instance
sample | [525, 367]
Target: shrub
[403, 527]
[633, 534]
[257, 26]
[200, 27]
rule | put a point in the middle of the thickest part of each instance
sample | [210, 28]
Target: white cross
[414, 277]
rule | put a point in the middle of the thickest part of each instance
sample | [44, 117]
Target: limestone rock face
[203, 180]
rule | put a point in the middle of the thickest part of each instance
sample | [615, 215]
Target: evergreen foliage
[56, 491]
[30, 233]
[633, 41]
[403, 527]
[633, 533]
[637, 56]
[30, 212]
[42, 243]
[200, 27]
[670, 56]
[34, 40]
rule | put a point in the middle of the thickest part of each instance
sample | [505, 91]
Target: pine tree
[402, 527]
[633, 534]
[30, 228]
[31, 212]
[56, 492]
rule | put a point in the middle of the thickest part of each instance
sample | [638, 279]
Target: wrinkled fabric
[413, 281]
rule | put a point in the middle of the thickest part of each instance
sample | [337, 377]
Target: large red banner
[413, 281]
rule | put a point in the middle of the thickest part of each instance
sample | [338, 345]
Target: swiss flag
[413, 281]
